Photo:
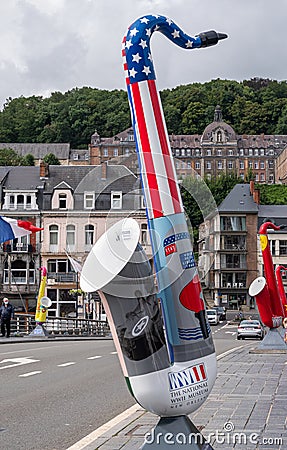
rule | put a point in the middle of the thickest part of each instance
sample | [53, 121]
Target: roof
[88, 178]
[239, 200]
[61, 151]
[22, 177]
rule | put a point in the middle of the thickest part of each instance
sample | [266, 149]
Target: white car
[213, 317]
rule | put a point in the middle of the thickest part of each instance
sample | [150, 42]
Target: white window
[255, 164]
[219, 152]
[262, 177]
[144, 234]
[89, 235]
[177, 152]
[116, 152]
[106, 152]
[208, 164]
[262, 152]
[256, 177]
[142, 202]
[271, 152]
[75, 156]
[230, 152]
[188, 164]
[256, 152]
[182, 152]
[62, 201]
[219, 165]
[230, 165]
[89, 200]
[12, 202]
[127, 151]
[262, 165]
[116, 200]
[188, 152]
[241, 152]
[197, 165]
[242, 176]
[241, 164]
[70, 237]
[250, 152]
[208, 152]
[250, 164]
[197, 152]
[53, 237]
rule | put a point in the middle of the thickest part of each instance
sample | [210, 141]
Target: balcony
[63, 277]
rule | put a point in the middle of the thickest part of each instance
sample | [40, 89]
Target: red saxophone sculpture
[281, 289]
[265, 289]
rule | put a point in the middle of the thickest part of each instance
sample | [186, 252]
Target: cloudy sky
[55, 45]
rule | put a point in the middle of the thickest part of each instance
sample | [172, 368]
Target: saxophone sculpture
[163, 338]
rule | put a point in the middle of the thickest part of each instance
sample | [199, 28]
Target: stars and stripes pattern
[157, 169]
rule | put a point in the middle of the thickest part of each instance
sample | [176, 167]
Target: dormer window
[116, 200]
[62, 201]
[23, 201]
[219, 136]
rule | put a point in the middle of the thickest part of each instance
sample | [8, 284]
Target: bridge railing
[25, 323]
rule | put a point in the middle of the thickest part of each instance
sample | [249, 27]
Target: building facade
[75, 206]
[229, 248]
[219, 150]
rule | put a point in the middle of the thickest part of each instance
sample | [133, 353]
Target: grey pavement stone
[250, 392]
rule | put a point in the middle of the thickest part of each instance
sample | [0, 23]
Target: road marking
[230, 332]
[83, 443]
[113, 353]
[29, 374]
[94, 357]
[17, 362]
[66, 364]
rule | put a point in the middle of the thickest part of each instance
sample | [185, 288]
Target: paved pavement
[246, 409]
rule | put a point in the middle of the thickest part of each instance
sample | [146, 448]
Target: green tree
[51, 159]
[28, 160]
[9, 157]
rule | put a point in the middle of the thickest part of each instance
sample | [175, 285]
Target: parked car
[250, 329]
[221, 311]
[212, 316]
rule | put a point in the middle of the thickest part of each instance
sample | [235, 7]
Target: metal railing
[24, 324]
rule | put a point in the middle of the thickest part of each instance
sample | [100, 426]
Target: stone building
[229, 249]
[75, 205]
[219, 150]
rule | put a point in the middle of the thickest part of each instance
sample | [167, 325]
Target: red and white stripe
[162, 193]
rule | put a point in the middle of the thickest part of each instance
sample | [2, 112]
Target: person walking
[6, 314]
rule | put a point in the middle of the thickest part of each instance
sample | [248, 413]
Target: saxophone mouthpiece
[211, 37]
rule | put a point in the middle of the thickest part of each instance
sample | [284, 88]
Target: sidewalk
[246, 409]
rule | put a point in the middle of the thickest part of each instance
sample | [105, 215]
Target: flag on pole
[75, 264]
[13, 228]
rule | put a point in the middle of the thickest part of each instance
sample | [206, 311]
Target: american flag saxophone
[163, 338]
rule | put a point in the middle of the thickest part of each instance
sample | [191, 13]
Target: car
[250, 329]
[221, 311]
[212, 316]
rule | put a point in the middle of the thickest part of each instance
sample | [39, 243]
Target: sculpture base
[272, 343]
[39, 331]
[176, 433]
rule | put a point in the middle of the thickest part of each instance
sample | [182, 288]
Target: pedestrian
[6, 314]
[285, 326]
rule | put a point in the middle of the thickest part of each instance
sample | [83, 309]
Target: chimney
[44, 170]
[256, 196]
[104, 170]
[251, 187]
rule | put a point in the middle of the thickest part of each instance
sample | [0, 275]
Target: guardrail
[25, 324]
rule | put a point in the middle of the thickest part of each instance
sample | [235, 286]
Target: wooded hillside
[250, 107]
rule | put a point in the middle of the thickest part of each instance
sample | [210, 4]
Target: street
[55, 393]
